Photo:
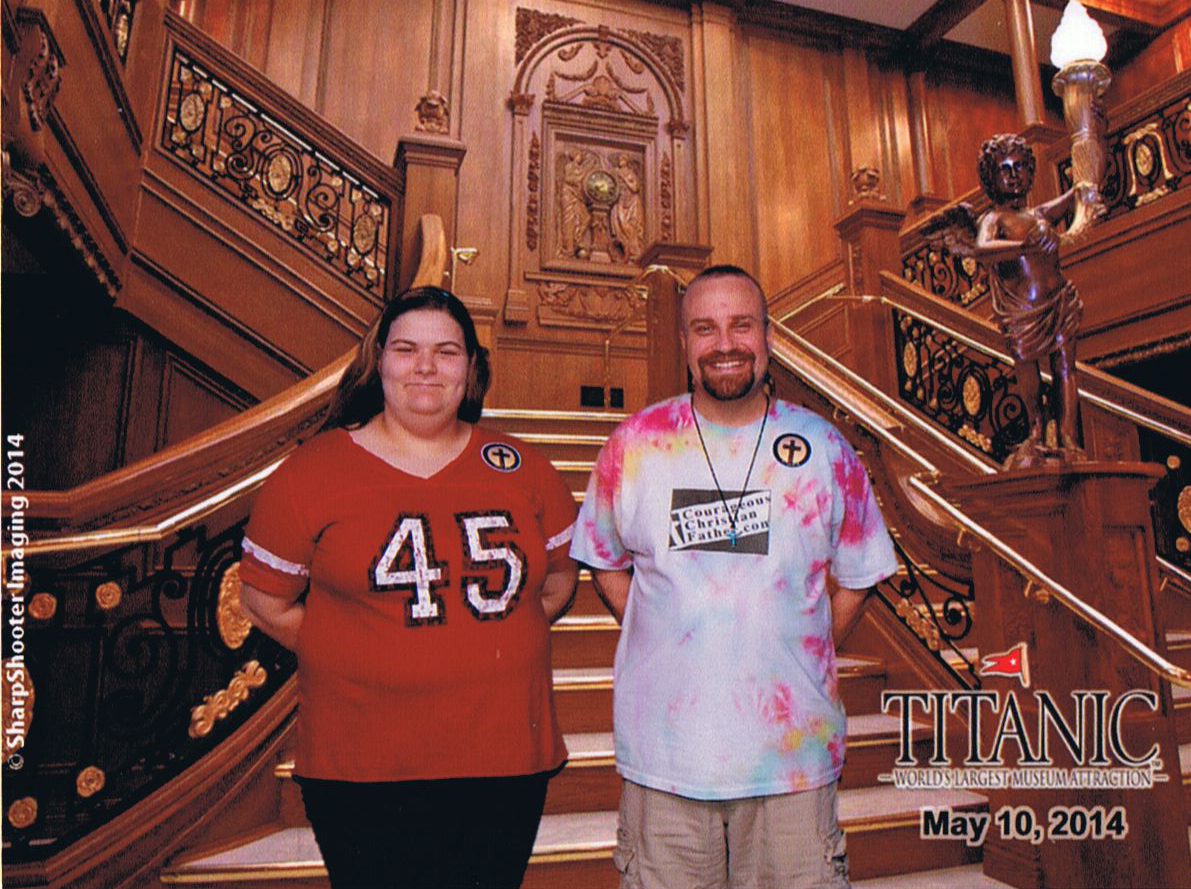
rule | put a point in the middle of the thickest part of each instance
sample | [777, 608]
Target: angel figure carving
[574, 217]
[628, 223]
[1038, 310]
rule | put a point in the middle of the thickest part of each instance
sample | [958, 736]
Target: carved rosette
[108, 595]
[17, 702]
[234, 625]
[89, 781]
[533, 182]
[26, 191]
[43, 606]
[23, 812]
[434, 113]
[217, 706]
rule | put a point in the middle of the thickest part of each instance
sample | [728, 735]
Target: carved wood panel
[598, 115]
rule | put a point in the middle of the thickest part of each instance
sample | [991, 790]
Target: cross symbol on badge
[791, 449]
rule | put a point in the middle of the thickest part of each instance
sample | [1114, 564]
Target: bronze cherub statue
[1038, 309]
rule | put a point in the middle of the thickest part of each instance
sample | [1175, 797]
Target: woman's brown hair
[359, 396]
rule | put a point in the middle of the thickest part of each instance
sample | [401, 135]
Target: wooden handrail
[197, 468]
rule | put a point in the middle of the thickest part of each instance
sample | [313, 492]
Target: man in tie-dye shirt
[711, 523]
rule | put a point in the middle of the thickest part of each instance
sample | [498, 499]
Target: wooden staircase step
[517, 421]
[1178, 648]
[584, 640]
[565, 446]
[969, 876]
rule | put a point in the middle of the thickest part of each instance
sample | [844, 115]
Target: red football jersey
[424, 651]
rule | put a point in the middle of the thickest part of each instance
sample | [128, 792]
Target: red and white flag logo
[1014, 662]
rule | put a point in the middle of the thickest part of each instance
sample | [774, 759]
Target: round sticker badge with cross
[791, 450]
[500, 456]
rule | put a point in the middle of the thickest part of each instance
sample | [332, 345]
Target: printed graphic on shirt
[501, 456]
[791, 449]
[407, 564]
[699, 520]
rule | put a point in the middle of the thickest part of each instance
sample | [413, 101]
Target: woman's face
[424, 365]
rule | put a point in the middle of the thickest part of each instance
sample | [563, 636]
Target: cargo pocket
[625, 859]
[835, 846]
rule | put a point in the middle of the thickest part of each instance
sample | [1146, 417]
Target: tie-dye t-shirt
[725, 682]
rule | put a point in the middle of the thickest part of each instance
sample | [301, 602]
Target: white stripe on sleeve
[561, 537]
[261, 554]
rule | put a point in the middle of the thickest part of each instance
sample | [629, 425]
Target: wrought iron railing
[960, 280]
[228, 141]
[134, 674]
[1147, 157]
[935, 609]
[118, 14]
[970, 394]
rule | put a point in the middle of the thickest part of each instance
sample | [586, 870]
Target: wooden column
[1026, 79]
[926, 196]
[665, 362]
[429, 166]
[870, 229]
[1089, 528]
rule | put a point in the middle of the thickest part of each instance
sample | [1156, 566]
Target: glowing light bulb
[1077, 38]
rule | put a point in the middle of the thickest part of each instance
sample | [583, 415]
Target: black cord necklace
[732, 516]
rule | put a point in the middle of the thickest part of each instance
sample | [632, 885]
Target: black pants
[455, 833]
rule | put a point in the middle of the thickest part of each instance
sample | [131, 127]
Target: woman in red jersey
[414, 561]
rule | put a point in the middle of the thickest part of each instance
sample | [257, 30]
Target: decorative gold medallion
[910, 359]
[280, 173]
[973, 396]
[1183, 545]
[969, 265]
[1173, 462]
[234, 626]
[43, 606]
[364, 234]
[190, 114]
[108, 595]
[17, 703]
[1184, 507]
[22, 812]
[1143, 157]
[90, 781]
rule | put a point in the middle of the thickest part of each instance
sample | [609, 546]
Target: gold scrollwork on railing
[225, 140]
[217, 706]
[233, 624]
[918, 620]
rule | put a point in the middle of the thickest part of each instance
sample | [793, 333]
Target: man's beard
[729, 387]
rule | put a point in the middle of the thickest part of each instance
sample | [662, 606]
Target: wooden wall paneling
[730, 191]
[1168, 54]
[375, 69]
[192, 401]
[482, 74]
[965, 112]
[794, 156]
[295, 53]
[524, 374]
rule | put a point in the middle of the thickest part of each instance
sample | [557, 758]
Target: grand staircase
[578, 831]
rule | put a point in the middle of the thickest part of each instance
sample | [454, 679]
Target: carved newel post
[1088, 528]
[667, 267]
[870, 229]
[429, 164]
